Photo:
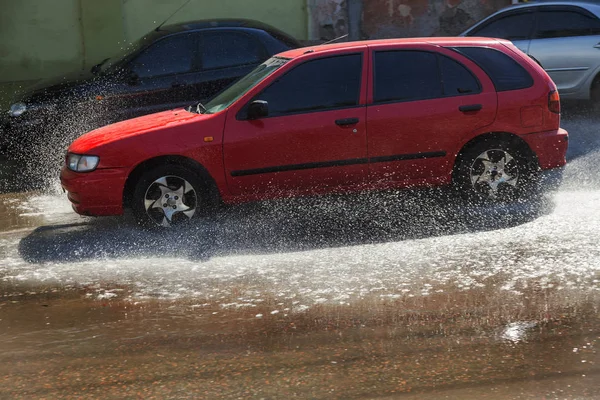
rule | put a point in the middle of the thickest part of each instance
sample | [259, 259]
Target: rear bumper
[95, 193]
[550, 147]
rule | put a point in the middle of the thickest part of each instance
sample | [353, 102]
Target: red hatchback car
[473, 112]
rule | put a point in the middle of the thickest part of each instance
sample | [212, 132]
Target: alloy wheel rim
[170, 200]
[494, 172]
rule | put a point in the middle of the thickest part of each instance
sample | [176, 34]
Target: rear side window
[505, 73]
[405, 76]
[322, 84]
[457, 79]
[230, 49]
[511, 27]
[409, 75]
[553, 24]
[169, 56]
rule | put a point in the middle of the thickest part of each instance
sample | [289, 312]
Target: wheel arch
[595, 88]
[506, 137]
[210, 186]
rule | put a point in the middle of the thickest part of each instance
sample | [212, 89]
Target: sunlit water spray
[296, 254]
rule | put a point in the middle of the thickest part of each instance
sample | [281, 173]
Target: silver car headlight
[82, 163]
[17, 109]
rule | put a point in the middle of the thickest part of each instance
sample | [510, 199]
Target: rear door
[423, 101]
[566, 42]
[515, 25]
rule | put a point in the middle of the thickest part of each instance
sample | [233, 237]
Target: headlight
[80, 163]
[17, 109]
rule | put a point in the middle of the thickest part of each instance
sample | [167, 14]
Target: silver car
[562, 36]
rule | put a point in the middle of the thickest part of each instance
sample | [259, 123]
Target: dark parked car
[171, 67]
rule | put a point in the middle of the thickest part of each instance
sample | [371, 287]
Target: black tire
[508, 174]
[174, 194]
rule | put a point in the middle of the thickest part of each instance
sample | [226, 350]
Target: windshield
[241, 87]
[126, 53]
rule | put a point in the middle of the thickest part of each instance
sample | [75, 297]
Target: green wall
[48, 38]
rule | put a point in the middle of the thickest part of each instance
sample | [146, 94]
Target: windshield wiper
[200, 109]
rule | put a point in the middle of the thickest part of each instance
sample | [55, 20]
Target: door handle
[470, 107]
[346, 121]
[597, 46]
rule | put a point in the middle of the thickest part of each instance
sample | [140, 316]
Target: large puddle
[375, 296]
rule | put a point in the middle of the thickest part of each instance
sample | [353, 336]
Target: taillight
[554, 102]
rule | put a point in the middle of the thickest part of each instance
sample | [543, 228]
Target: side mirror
[131, 77]
[258, 109]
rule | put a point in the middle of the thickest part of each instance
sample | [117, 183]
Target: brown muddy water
[455, 345]
[386, 296]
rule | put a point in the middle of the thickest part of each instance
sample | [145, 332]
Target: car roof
[439, 41]
[219, 23]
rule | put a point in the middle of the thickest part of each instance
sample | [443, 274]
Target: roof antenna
[169, 17]
[336, 39]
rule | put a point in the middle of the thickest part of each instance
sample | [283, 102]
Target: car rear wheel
[167, 196]
[494, 171]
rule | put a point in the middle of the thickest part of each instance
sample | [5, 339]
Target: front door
[159, 78]
[314, 137]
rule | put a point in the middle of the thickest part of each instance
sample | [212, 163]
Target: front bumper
[19, 133]
[95, 193]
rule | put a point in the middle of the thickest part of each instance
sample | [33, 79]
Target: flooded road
[393, 295]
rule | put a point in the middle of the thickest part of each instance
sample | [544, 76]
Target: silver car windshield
[241, 87]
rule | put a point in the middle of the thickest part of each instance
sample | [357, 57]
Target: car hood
[131, 128]
[51, 89]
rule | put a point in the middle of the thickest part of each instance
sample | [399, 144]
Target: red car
[473, 112]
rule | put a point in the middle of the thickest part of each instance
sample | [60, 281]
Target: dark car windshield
[241, 87]
[126, 53]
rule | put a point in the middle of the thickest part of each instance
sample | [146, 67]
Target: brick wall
[399, 18]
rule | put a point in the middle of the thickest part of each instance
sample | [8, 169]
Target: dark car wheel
[167, 196]
[494, 171]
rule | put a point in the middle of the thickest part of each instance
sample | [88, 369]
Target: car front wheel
[167, 196]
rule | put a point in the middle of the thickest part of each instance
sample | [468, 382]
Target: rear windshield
[505, 73]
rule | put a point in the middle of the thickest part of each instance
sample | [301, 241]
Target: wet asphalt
[382, 295]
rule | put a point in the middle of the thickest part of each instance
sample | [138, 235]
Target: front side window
[322, 84]
[553, 24]
[511, 27]
[230, 49]
[169, 56]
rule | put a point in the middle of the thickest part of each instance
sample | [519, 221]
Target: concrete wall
[47, 38]
[288, 15]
